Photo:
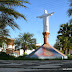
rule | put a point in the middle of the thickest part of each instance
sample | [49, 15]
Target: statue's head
[45, 11]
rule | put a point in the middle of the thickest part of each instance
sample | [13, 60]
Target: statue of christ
[45, 17]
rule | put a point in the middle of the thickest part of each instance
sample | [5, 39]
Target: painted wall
[29, 51]
[12, 47]
[21, 52]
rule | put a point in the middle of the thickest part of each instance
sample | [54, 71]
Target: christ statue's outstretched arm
[45, 15]
[50, 14]
[39, 17]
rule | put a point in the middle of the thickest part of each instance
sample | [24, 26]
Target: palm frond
[70, 12]
[11, 12]
[15, 2]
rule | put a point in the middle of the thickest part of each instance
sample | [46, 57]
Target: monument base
[47, 52]
[45, 36]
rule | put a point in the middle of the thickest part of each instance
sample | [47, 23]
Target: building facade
[8, 47]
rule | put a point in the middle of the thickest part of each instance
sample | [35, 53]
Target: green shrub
[4, 56]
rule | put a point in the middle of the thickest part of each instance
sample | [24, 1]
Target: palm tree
[4, 33]
[7, 12]
[6, 20]
[7, 15]
[57, 45]
[70, 11]
[27, 41]
[17, 44]
[65, 37]
[6, 6]
[0, 44]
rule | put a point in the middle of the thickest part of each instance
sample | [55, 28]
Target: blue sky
[35, 25]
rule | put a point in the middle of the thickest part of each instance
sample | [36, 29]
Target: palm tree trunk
[68, 50]
[64, 51]
[24, 49]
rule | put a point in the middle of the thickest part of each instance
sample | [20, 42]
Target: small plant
[4, 56]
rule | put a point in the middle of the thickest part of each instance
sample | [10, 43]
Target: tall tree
[17, 44]
[6, 6]
[65, 36]
[70, 11]
[26, 40]
[57, 45]
[6, 20]
[3, 33]
[7, 15]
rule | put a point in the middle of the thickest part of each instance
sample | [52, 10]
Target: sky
[35, 25]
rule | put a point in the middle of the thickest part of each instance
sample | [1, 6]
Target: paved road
[35, 65]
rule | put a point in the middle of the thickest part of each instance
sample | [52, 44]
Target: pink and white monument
[46, 51]
[46, 33]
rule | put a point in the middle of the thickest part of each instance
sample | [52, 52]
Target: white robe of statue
[45, 17]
